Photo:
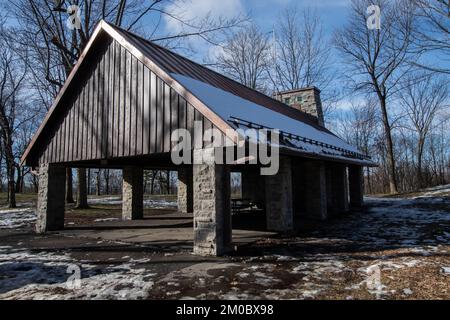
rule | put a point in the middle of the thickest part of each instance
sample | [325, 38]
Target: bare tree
[434, 34]
[12, 76]
[42, 26]
[421, 100]
[245, 57]
[358, 126]
[82, 192]
[301, 54]
[377, 59]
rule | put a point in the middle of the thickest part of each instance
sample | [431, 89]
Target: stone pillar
[356, 186]
[51, 194]
[316, 193]
[252, 185]
[337, 188]
[212, 207]
[279, 203]
[132, 193]
[185, 190]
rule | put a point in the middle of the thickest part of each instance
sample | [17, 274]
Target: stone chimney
[305, 99]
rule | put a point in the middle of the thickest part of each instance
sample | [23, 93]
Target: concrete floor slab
[165, 230]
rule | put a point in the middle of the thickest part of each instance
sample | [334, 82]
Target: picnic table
[242, 204]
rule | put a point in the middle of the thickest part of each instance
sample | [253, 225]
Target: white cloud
[196, 10]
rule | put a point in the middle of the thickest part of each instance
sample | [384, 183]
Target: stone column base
[51, 194]
[185, 190]
[316, 190]
[133, 194]
[212, 209]
[356, 187]
[279, 202]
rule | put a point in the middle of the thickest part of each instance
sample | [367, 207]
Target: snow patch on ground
[39, 276]
[148, 203]
[17, 218]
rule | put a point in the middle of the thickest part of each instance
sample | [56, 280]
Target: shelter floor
[163, 230]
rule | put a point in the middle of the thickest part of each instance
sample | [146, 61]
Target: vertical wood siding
[120, 109]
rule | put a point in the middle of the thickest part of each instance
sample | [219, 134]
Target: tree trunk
[390, 148]
[69, 186]
[168, 182]
[19, 179]
[35, 183]
[419, 163]
[152, 183]
[81, 189]
[10, 167]
[11, 187]
[106, 181]
[88, 184]
[98, 182]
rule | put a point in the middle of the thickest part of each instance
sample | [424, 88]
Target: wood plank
[88, 117]
[70, 135]
[153, 112]
[190, 117]
[182, 105]
[207, 125]
[92, 120]
[139, 108]
[85, 121]
[122, 101]
[104, 94]
[117, 86]
[109, 100]
[146, 111]
[58, 142]
[167, 118]
[174, 106]
[67, 134]
[100, 90]
[63, 138]
[160, 117]
[82, 141]
[198, 135]
[131, 121]
[78, 125]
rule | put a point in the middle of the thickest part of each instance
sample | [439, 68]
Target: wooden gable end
[117, 107]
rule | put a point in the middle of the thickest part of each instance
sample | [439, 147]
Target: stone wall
[51, 198]
[337, 188]
[132, 193]
[316, 190]
[279, 203]
[212, 209]
[306, 99]
[356, 186]
[185, 190]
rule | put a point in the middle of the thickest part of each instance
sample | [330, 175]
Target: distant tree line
[384, 90]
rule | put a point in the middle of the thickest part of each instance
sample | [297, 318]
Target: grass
[27, 198]
[20, 198]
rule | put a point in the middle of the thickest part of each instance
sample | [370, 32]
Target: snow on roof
[229, 106]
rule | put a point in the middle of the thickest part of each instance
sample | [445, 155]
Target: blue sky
[265, 13]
